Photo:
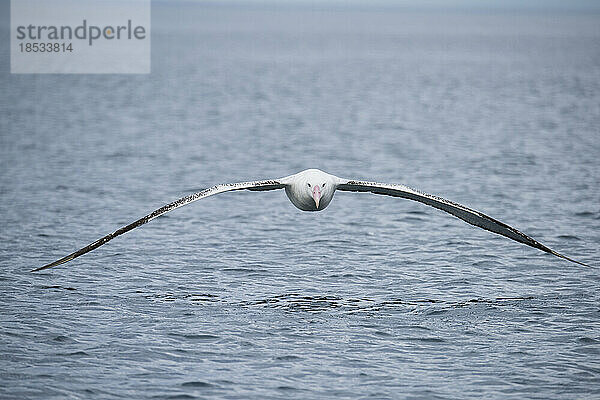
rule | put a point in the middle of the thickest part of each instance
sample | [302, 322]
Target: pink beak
[316, 193]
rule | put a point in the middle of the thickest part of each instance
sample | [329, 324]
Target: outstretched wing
[256, 186]
[468, 215]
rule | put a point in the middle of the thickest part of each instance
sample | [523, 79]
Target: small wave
[287, 388]
[568, 237]
[424, 339]
[243, 270]
[417, 327]
[416, 212]
[296, 302]
[514, 298]
[457, 242]
[74, 354]
[200, 297]
[170, 297]
[587, 350]
[62, 339]
[197, 384]
[587, 340]
[290, 357]
[56, 287]
[344, 276]
[437, 311]
[586, 214]
[194, 336]
[411, 219]
[119, 155]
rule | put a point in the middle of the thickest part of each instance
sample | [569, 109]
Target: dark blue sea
[241, 295]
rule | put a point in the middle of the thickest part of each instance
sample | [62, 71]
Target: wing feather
[468, 215]
[255, 186]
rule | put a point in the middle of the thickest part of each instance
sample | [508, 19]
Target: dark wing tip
[570, 259]
[55, 263]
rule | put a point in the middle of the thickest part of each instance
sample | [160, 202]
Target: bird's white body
[313, 190]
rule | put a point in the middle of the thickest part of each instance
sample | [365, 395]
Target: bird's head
[312, 190]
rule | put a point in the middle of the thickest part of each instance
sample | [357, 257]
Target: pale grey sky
[516, 5]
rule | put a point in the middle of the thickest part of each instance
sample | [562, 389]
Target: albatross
[313, 190]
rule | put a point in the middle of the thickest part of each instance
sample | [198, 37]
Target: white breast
[299, 199]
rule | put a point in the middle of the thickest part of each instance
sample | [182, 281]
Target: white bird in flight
[312, 190]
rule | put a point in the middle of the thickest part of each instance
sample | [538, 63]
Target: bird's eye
[308, 184]
[323, 185]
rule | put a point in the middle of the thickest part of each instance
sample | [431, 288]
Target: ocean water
[243, 296]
